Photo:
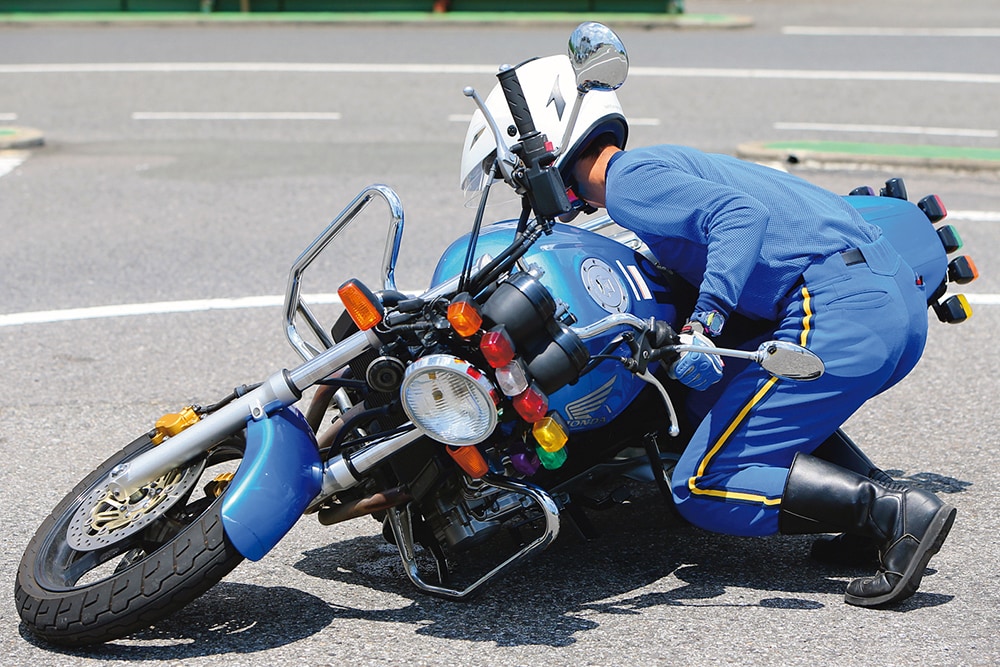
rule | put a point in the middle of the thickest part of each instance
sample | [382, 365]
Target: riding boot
[909, 525]
[852, 550]
[845, 549]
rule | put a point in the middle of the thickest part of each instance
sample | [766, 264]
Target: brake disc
[103, 519]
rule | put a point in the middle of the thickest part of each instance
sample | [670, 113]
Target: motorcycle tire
[120, 585]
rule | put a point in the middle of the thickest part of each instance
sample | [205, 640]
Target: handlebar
[514, 95]
[542, 182]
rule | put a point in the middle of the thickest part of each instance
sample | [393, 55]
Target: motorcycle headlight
[449, 400]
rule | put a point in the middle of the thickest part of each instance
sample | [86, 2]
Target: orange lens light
[962, 270]
[360, 304]
[463, 315]
[470, 460]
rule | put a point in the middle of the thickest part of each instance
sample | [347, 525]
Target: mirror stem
[580, 92]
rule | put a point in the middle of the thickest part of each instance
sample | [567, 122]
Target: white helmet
[549, 86]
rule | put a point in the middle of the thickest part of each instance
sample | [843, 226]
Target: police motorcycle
[482, 408]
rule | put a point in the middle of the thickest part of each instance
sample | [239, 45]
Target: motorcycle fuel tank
[595, 277]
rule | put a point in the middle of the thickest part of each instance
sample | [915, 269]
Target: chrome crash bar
[402, 529]
[294, 305]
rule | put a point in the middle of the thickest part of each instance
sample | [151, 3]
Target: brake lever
[507, 161]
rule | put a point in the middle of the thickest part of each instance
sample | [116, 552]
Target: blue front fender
[278, 478]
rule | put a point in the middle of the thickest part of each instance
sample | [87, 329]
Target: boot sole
[910, 581]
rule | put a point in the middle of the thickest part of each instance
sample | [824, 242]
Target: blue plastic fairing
[278, 478]
[596, 276]
[910, 233]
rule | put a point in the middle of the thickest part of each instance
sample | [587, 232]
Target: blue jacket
[743, 233]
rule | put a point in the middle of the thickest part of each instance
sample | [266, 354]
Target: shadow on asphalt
[563, 592]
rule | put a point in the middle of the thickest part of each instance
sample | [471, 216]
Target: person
[770, 253]
[772, 247]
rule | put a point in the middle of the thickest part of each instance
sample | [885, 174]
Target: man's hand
[696, 369]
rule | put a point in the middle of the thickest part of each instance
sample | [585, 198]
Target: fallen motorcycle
[487, 404]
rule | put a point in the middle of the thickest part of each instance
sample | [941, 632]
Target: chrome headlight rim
[478, 388]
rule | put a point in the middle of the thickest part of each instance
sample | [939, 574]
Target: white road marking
[10, 160]
[156, 308]
[235, 115]
[202, 305]
[829, 31]
[816, 75]
[261, 67]
[888, 129]
[451, 69]
[8, 116]
[467, 117]
[975, 216]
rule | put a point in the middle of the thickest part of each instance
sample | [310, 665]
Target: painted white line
[888, 129]
[984, 299]
[815, 75]
[8, 116]
[321, 68]
[437, 68]
[10, 161]
[467, 117]
[202, 305]
[156, 308]
[235, 115]
[828, 31]
[975, 216]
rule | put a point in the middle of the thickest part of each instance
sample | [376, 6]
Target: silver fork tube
[280, 390]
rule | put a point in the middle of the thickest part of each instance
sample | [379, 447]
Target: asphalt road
[124, 205]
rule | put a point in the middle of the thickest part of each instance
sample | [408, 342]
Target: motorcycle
[532, 368]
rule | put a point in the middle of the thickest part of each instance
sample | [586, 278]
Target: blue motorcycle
[491, 404]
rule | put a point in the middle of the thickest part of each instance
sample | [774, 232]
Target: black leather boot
[909, 525]
[846, 549]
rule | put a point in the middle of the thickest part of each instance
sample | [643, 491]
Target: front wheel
[98, 568]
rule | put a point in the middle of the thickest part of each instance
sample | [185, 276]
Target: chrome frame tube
[399, 521]
[279, 391]
[342, 472]
[293, 297]
[610, 322]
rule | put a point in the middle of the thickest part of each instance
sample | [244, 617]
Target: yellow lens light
[464, 317]
[358, 302]
[964, 302]
[550, 433]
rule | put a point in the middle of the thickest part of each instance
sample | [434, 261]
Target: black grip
[515, 100]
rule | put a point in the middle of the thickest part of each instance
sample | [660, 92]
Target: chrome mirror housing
[598, 57]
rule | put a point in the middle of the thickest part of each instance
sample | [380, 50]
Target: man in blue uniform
[773, 248]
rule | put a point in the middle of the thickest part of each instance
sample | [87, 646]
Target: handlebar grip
[516, 101]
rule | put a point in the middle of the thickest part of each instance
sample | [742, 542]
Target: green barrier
[610, 6]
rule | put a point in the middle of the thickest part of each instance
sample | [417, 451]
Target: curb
[870, 155]
[642, 20]
[12, 137]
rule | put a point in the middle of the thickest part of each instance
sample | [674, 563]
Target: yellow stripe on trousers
[720, 443]
[757, 398]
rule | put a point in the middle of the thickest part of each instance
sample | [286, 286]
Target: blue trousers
[868, 323]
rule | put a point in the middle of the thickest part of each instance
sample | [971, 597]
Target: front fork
[281, 472]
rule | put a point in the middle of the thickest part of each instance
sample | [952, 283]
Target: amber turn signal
[463, 315]
[361, 304]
